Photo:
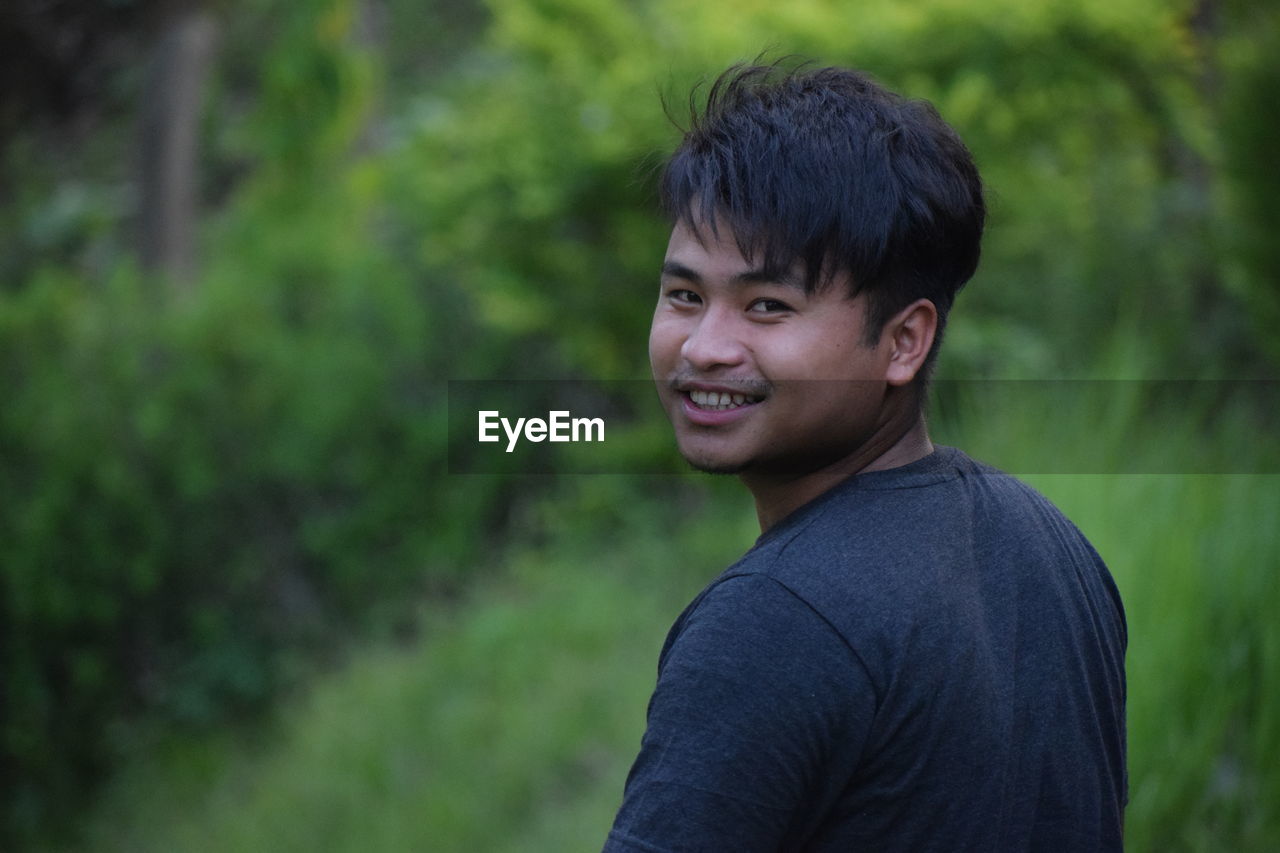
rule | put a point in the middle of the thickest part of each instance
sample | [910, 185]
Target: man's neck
[778, 497]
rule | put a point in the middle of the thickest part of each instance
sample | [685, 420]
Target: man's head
[828, 170]
[822, 227]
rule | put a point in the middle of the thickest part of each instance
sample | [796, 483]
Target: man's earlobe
[911, 333]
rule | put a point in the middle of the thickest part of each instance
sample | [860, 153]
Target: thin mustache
[748, 387]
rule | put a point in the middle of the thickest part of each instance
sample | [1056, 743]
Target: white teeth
[719, 401]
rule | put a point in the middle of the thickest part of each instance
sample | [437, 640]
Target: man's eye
[684, 297]
[768, 306]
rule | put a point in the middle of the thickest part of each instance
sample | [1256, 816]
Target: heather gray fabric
[925, 658]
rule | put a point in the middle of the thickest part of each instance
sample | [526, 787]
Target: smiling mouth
[720, 401]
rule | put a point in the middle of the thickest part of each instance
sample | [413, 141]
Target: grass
[1196, 559]
[509, 723]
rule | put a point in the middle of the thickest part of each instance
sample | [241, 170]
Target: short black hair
[828, 168]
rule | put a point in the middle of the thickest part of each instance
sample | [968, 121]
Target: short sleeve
[758, 719]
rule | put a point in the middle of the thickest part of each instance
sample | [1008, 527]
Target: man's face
[756, 375]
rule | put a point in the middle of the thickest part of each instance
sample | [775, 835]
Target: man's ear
[910, 335]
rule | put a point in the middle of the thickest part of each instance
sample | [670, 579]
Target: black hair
[828, 168]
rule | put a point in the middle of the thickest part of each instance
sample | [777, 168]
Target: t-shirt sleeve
[759, 715]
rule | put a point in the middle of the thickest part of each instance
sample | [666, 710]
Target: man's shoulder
[903, 546]
[924, 508]
[927, 503]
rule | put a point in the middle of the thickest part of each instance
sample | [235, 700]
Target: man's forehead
[741, 276]
[702, 253]
[705, 252]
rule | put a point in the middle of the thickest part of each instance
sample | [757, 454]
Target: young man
[919, 653]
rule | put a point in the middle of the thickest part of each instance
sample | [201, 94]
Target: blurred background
[244, 244]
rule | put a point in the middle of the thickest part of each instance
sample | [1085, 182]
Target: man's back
[924, 658]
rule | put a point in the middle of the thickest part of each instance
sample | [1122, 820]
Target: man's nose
[714, 342]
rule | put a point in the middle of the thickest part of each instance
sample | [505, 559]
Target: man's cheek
[664, 349]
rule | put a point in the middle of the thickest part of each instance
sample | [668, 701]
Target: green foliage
[203, 490]
[1087, 119]
[1251, 77]
[194, 494]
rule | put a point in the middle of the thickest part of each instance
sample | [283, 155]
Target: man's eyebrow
[675, 269]
[786, 278]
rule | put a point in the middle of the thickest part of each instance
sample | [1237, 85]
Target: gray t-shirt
[924, 658]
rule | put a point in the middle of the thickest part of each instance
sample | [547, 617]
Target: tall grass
[1196, 559]
[508, 724]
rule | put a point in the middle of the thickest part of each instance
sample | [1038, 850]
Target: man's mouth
[720, 401]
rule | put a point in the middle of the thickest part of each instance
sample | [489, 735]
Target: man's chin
[716, 466]
[712, 464]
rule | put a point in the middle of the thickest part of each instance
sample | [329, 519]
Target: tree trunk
[169, 144]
